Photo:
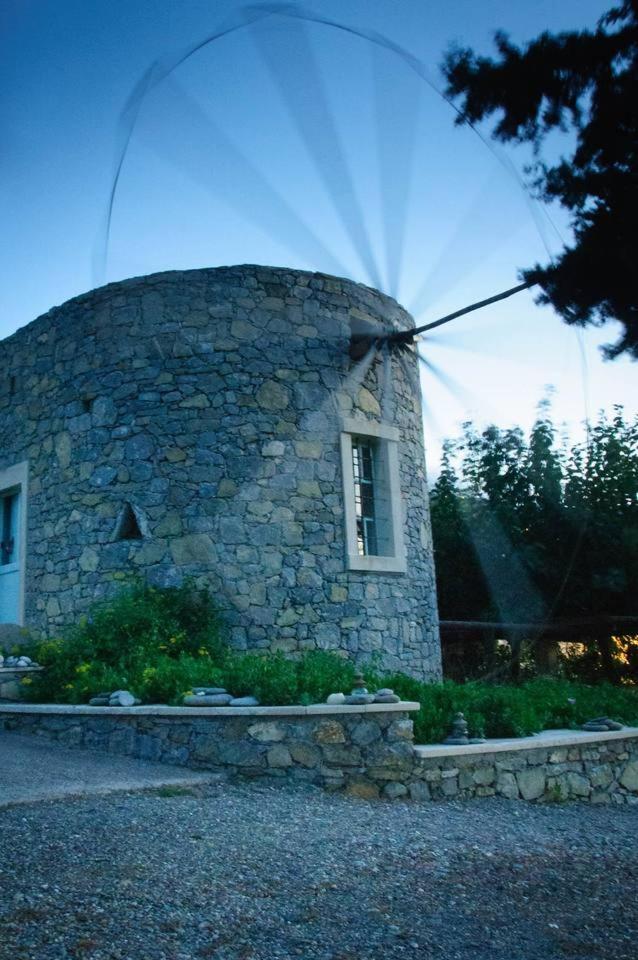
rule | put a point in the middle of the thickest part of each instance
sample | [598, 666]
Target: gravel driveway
[237, 872]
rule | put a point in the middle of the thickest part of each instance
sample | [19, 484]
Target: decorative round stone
[360, 699]
[121, 698]
[600, 724]
[386, 698]
[202, 700]
[244, 702]
[210, 691]
[335, 699]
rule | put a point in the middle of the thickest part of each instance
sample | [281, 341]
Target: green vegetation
[158, 643]
[571, 94]
[154, 642]
[513, 710]
[527, 530]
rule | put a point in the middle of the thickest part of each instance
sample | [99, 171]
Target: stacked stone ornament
[359, 695]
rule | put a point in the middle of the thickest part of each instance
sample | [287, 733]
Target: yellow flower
[68, 686]
[27, 680]
[83, 668]
[203, 652]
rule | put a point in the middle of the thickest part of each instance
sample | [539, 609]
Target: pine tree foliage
[585, 85]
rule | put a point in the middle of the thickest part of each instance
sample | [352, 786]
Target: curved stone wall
[188, 424]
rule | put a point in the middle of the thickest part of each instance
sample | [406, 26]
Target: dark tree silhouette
[585, 84]
[525, 531]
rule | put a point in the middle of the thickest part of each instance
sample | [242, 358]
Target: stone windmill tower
[256, 428]
[212, 424]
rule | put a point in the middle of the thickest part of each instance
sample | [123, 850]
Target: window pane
[364, 495]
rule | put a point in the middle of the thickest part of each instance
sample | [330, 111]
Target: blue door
[10, 573]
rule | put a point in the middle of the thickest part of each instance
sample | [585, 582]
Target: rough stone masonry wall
[368, 752]
[210, 401]
[351, 750]
[605, 771]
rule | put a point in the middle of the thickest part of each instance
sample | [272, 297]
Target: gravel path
[256, 872]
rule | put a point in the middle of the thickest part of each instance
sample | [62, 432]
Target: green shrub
[159, 643]
[272, 678]
[155, 642]
[321, 673]
[510, 710]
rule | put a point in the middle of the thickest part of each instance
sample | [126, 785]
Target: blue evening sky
[291, 144]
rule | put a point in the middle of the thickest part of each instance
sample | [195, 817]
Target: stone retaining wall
[368, 751]
[601, 768]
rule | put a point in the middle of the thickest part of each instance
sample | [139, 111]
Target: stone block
[147, 747]
[484, 776]
[365, 732]
[193, 548]
[419, 790]
[578, 785]
[204, 747]
[305, 754]
[629, 777]
[329, 731]
[266, 731]
[279, 756]
[363, 789]
[531, 783]
[507, 786]
[241, 754]
[395, 790]
[401, 730]
[342, 755]
[450, 787]
[600, 776]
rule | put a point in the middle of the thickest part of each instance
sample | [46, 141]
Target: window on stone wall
[129, 524]
[372, 497]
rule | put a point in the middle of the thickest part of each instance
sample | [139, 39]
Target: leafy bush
[274, 679]
[510, 710]
[271, 678]
[155, 642]
[159, 643]
[321, 673]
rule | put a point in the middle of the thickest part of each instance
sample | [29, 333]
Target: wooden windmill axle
[363, 339]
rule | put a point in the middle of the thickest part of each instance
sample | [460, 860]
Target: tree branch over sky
[585, 84]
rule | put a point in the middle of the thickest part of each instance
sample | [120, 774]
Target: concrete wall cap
[177, 712]
[545, 739]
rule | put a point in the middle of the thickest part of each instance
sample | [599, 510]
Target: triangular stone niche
[130, 524]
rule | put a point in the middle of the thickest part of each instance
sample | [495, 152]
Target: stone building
[211, 423]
